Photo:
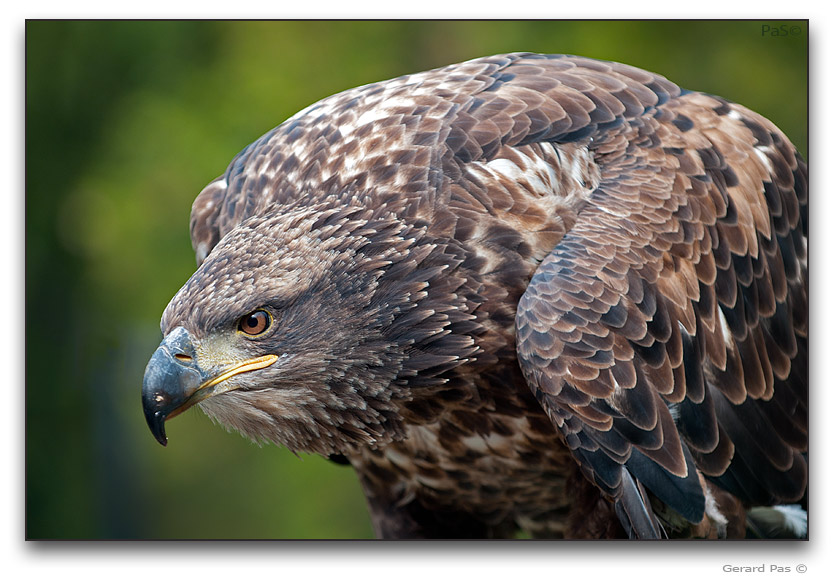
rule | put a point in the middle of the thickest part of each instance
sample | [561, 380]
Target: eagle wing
[666, 334]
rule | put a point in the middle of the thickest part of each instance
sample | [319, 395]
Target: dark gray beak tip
[155, 415]
[156, 422]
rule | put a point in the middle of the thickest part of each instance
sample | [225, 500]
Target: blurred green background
[125, 123]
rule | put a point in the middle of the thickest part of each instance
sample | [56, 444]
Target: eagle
[525, 295]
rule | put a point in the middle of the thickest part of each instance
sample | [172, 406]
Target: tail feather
[634, 510]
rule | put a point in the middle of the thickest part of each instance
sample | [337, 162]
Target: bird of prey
[525, 293]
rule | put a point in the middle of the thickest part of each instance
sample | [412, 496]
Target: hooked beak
[174, 381]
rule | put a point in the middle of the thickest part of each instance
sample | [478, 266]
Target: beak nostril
[182, 357]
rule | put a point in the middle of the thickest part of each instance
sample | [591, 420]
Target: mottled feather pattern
[591, 285]
[629, 299]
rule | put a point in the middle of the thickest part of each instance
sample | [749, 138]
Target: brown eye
[255, 323]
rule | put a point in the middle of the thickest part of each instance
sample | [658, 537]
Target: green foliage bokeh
[125, 123]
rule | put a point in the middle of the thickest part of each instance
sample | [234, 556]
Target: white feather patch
[714, 514]
[725, 329]
[796, 519]
[760, 153]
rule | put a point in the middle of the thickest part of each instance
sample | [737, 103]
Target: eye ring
[255, 323]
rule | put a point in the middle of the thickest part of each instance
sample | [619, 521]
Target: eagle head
[304, 327]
